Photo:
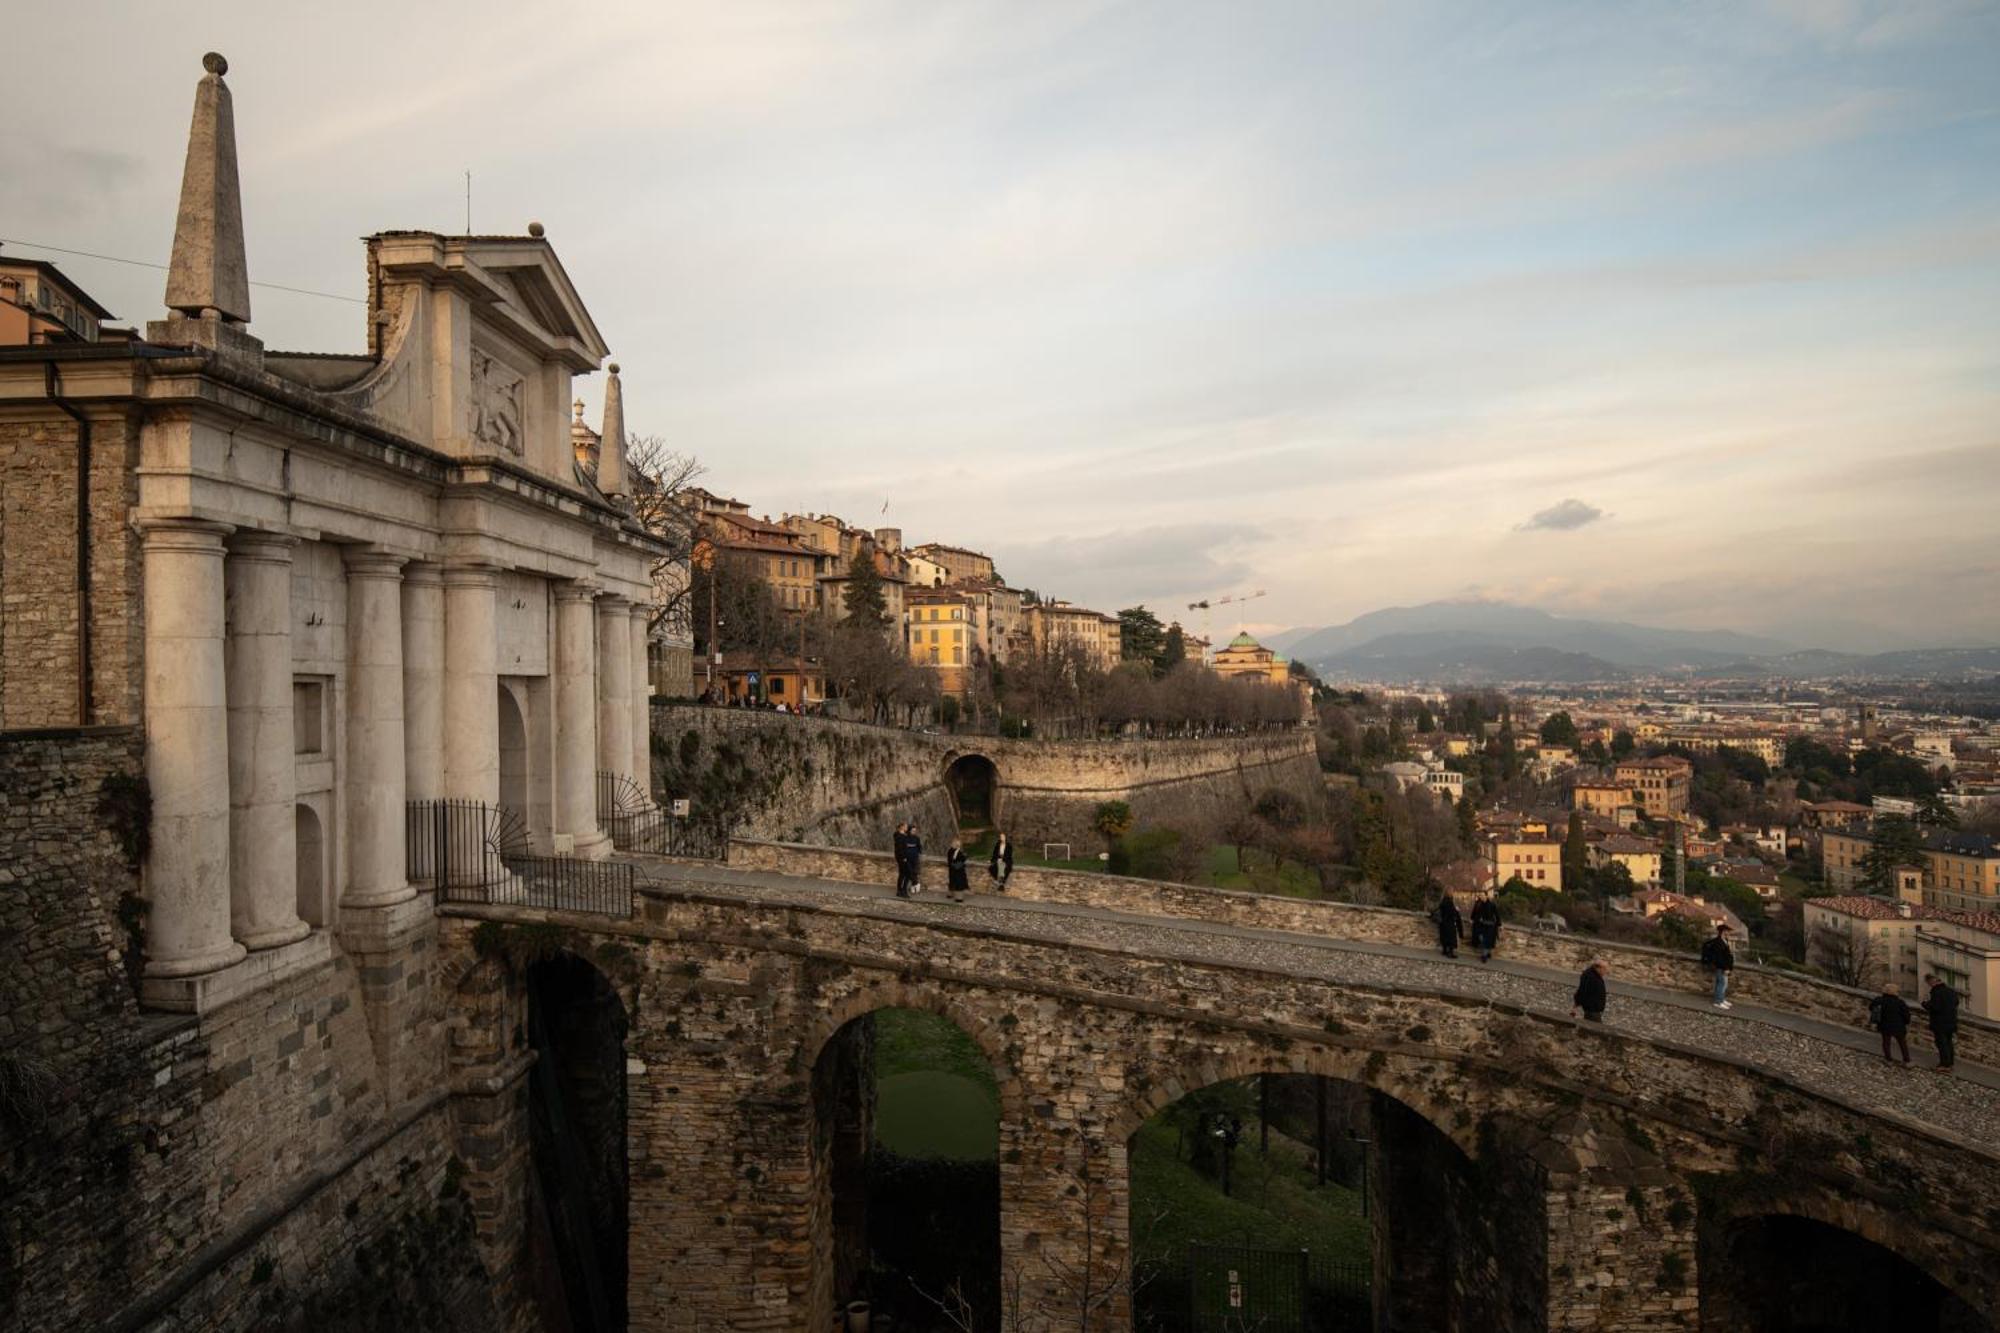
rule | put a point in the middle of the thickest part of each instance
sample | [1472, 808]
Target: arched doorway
[513, 752]
[577, 1109]
[1779, 1273]
[974, 784]
[311, 866]
[906, 1109]
[1292, 1202]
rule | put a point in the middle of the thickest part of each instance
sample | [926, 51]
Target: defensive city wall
[835, 783]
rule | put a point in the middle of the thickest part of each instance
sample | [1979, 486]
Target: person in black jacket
[1892, 1020]
[1449, 925]
[1716, 956]
[901, 843]
[1001, 867]
[954, 872]
[1591, 994]
[1485, 926]
[1942, 1009]
[915, 843]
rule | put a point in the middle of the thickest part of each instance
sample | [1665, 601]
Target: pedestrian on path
[902, 846]
[915, 843]
[1485, 926]
[1001, 867]
[1892, 1019]
[1591, 994]
[1941, 1007]
[954, 868]
[1449, 924]
[1716, 956]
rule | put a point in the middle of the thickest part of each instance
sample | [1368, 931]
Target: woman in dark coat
[1485, 926]
[1591, 992]
[955, 878]
[1002, 864]
[1450, 925]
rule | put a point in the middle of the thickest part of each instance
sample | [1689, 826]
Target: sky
[1679, 313]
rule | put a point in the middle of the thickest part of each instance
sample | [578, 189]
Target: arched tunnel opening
[973, 782]
[1779, 1273]
[576, 1126]
[907, 1115]
[1297, 1203]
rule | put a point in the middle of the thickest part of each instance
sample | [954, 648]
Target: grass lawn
[935, 1095]
[980, 852]
[1273, 1203]
[1226, 872]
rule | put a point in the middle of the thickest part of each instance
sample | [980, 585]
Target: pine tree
[866, 602]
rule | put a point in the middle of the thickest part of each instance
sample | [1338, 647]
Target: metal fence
[1239, 1289]
[637, 824]
[471, 852]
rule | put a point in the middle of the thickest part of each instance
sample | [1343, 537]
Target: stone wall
[1603, 1145]
[195, 1172]
[1630, 964]
[38, 593]
[834, 783]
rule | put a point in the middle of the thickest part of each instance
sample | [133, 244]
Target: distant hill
[1483, 642]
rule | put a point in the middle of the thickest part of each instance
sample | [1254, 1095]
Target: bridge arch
[973, 781]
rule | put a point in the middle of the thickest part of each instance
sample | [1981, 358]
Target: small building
[1876, 940]
[1640, 857]
[1659, 786]
[40, 306]
[1534, 860]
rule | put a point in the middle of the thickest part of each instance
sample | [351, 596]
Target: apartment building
[942, 633]
[1535, 860]
[1902, 942]
[1659, 786]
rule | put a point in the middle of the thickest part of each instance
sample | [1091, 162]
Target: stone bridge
[1532, 1172]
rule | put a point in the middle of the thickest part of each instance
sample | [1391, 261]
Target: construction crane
[1208, 617]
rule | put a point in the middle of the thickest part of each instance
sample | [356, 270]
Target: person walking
[954, 870]
[1449, 924]
[915, 843]
[1485, 926]
[1892, 1020]
[902, 846]
[1941, 1007]
[1716, 956]
[1591, 993]
[1001, 867]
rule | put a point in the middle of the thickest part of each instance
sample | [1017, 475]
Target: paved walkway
[1842, 1062]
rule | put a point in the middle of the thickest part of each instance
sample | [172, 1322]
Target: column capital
[372, 562]
[423, 571]
[611, 603]
[182, 534]
[470, 575]
[642, 611]
[575, 590]
[255, 544]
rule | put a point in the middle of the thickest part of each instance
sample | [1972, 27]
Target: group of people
[1888, 1013]
[909, 850]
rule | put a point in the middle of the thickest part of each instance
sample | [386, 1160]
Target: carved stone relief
[496, 404]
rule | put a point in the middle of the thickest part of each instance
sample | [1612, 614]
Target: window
[308, 717]
[777, 685]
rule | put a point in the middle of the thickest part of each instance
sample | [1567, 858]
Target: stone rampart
[218, 1172]
[1663, 969]
[826, 782]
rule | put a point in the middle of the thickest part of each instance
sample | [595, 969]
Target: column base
[377, 927]
[594, 845]
[216, 959]
[253, 972]
[256, 941]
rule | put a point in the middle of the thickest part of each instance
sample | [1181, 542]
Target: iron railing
[1235, 1289]
[637, 824]
[471, 852]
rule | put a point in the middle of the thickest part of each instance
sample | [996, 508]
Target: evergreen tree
[1140, 636]
[1575, 854]
[1558, 729]
[1897, 842]
[867, 604]
[1173, 650]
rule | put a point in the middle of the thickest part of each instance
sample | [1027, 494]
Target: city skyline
[1158, 305]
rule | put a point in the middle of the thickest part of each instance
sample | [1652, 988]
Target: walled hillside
[773, 775]
[228, 1171]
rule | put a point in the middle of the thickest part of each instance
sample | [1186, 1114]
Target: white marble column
[642, 706]
[614, 684]
[187, 751]
[376, 872]
[423, 681]
[471, 684]
[263, 769]
[576, 719]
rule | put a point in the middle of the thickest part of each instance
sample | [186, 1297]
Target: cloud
[1170, 563]
[1565, 517]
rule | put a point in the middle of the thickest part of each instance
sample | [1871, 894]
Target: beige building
[1659, 786]
[1962, 871]
[958, 562]
[1640, 858]
[324, 585]
[1612, 800]
[1841, 851]
[1536, 860]
[1243, 658]
[1901, 942]
[39, 306]
[1058, 626]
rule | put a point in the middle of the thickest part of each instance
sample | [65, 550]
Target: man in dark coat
[1591, 993]
[1485, 926]
[915, 843]
[954, 871]
[902, 846]
[1449, 925]
[1715, 955]
[1942, 1008]
[1892, 1020]
[1001, 867]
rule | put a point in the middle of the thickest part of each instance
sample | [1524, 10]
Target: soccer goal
[1055, 851]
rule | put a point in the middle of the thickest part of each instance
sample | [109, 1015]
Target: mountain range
[1482, 641]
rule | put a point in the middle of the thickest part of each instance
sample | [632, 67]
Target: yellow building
[1534, 860]
[1246, 659]
[1659, 786]
[1841, 851]
[1612, 800]
[777, 556]
[38, 306]
[1640, 858]
[1961, 871]
[942, 631]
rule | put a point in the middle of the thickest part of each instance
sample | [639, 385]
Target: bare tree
[660, 476]
[1846, 956]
